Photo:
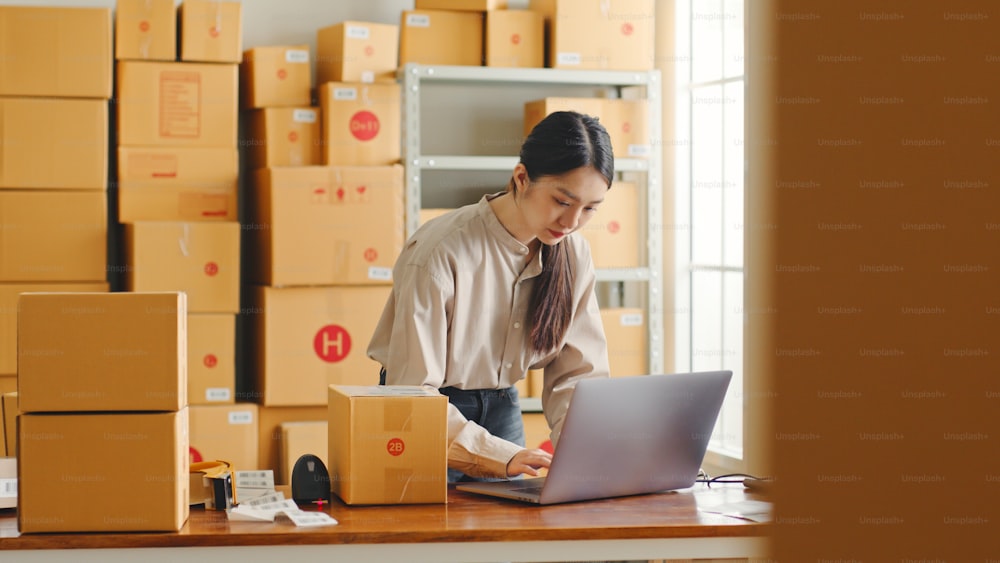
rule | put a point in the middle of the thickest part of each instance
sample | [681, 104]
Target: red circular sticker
[214, 31]
[371, 254]
[627, 29]
[211, 268]
[515, 39]
[144, 26]
[194, 454]
[332, 343]
[210, 360]
[369, 50]
[395, 447]
[293, 136]
[614, 227]
[364, 125]
[282, 74]
[626, 127]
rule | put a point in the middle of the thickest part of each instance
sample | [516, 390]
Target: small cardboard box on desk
[388, 444]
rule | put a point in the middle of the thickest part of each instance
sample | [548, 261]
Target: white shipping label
[304, 116]
[357, 32]
[241, 417]
[368, 76]
[217, 394]
[261, 479]
[638, 150]
[632, 319]
[8, 488]
[418, 20]
[380, 273]
[345, 94]
[298, 56]
[569, 59]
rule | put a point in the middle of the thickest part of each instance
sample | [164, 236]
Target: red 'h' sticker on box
[210, 360]
[211, 268]
[395, 447]
[332, 343]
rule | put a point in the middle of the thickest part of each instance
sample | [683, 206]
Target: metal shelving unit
[413, 76]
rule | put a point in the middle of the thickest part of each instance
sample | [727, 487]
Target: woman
[488, 291]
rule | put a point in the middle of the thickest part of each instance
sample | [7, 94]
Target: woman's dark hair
[560, 143]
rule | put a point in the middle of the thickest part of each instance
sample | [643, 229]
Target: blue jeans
[496, 410]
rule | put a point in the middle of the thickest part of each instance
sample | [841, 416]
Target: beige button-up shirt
[458, 316]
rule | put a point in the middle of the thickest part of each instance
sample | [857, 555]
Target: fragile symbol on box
[395, 447]
[332, 343]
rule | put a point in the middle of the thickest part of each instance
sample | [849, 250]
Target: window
[709, 203]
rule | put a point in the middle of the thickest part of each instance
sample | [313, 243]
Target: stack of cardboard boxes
[55, 82]
[178, 169]
[103, 428]
[324, 238]
[471, 33]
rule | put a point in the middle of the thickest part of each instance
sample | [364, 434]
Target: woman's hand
[528, 462]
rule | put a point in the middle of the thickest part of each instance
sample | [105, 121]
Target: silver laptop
[625, 436]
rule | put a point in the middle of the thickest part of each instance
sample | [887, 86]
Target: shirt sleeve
[584, 353]
[417, 327]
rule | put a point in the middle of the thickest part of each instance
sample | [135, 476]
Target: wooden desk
[468, 528]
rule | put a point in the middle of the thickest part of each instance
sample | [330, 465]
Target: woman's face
[555, 206]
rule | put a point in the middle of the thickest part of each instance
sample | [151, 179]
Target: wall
[876, 259]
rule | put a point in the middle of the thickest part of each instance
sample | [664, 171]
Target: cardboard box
[102, 352]
[315, 225]
[177, 104]
[210, 31]
[270, 439]
[536, 429]
[354, 51]
[599, 34]
[625, 329]
[361, 123]
[284, 137]
[145, 30]
[53, 144]
[624, 119]
[305, 339]
[211, 358]
[177, 184]
[9, 293]
[101, 472]
[627, 122]
[8, 482]
[537, 110]
[440, 37]
[225, 432]
[8, 383]
[536, 382]
[300, 438]
[275, 76]
[469, 5]
[55, 52]
[53, 236]
[8, 406]
[201, 259]
[515, 38]
[388, 444]
[613, 232]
